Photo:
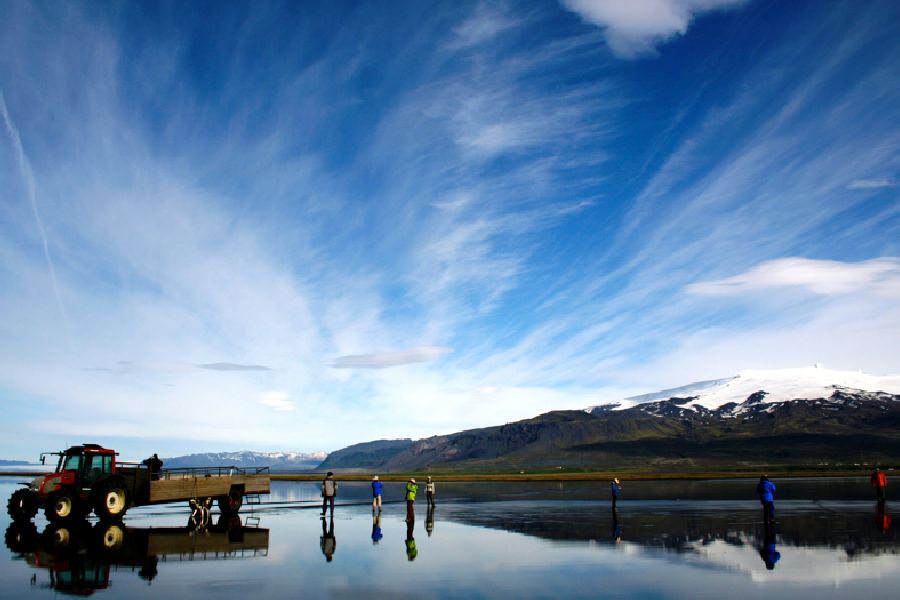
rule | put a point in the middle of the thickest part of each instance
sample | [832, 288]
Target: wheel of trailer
[61, 505]
[112, 501]
[22, 505]
[21, 537]
[231, 503]
[112, 537]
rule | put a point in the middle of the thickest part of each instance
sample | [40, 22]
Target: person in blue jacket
[615, 487]
[766, 491]
[377, 486]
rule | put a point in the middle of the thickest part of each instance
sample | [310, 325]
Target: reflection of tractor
[88, 477]
[79, 556]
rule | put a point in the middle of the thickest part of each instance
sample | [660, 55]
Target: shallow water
[536, 540]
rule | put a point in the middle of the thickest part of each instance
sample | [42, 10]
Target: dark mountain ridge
[848, 426]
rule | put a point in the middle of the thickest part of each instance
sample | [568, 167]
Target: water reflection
[429, 520]
[327, 541]
[882, 518]
[376, 528]
[78, 556]
[412, 550]
[767, 551]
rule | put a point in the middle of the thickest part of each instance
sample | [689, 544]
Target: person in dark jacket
[615, 489]
[766, 491]
[377, 488]
[154, 463]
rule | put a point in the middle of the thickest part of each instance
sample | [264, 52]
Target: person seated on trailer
[155, 465]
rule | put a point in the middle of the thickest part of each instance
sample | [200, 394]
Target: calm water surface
[535, 540]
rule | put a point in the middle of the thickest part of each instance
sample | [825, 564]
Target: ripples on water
[545, 540]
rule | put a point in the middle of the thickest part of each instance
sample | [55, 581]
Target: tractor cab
[80, 466]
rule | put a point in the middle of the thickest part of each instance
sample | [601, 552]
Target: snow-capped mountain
[278, 461]
[766, 387]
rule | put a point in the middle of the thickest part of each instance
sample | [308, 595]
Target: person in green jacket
[411, 489]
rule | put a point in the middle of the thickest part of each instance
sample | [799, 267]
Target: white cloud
[278, 401]
[635, 27]
[870, 184]
[382, 360]
[879, 276]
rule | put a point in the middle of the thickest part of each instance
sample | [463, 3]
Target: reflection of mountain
[685, 528]
[78, 556]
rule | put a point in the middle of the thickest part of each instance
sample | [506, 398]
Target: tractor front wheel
[61, 505]
[112, 500]
[22, 505]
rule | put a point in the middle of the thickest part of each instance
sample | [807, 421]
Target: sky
[294, 227]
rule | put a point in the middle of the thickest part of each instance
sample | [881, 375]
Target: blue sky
[300, 226]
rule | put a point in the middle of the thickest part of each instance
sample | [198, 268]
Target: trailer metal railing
[191, 472]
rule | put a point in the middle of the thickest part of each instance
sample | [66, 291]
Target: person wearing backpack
[329, 491]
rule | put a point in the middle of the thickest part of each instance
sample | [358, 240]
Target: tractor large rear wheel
[61, 505]
[22, 505]
[231, 504]
[111, 501]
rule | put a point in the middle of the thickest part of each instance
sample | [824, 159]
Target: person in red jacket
[879, 482]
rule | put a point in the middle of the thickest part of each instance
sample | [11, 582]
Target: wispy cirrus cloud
[277, 401]
[636, 27]
[870, 184]
[827, 277]
[226, 366]
[383, 360]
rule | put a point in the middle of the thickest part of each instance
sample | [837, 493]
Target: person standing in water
[329, 491]
[429, 492]
[879, 482]
[377, 487]
[411, 489]
[766, 491]
[615, 488]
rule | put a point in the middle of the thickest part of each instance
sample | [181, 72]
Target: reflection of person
[411, 489]
[883, 519]
[615, 488]
[329, 491]
[376, 528]
[879, 482]
[429, 491]
[429, 520]
[617, 529]
[148, 568]
[411, 551]
[766, 491]
[327, 542]
[377, 487]
[767, 551]
[155, 465]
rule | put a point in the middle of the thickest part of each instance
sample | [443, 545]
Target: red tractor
[86, 478]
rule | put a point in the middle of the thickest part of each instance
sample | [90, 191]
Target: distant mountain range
[812, 417]
[276, 461]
